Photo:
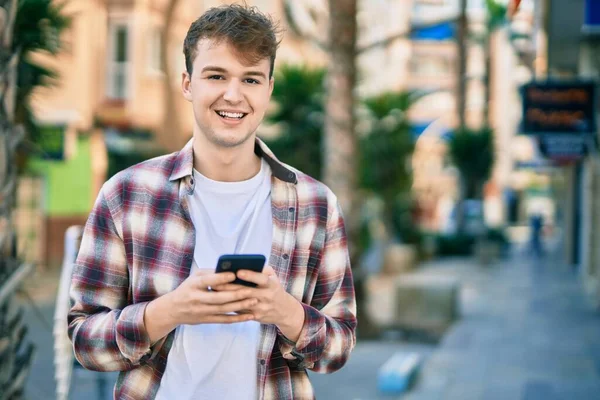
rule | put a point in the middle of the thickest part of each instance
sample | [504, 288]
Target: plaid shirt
[138, 244]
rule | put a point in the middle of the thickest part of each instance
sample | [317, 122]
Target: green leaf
[472, 152]
[38, 26]
[298, 97]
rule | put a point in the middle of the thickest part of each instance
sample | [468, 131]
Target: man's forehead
[248, 59]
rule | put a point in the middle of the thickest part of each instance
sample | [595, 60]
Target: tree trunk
[487, 79]
[340, 138]
[461, 99]
[461, 79]
[16, 355]
[170, 131]
[340, 153]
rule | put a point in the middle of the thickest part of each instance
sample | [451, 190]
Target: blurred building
[109, 100]
[113, 102]
[433, 68]
[567, 44]
[571, 48]
[411, 45]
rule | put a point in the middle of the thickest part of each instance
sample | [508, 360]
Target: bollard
[397, 374]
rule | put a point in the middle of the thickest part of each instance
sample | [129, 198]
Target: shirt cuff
[131, 334]
[305, 351]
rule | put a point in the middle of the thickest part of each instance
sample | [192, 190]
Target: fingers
[268, 270]
[213, 280]
[232, 307]
[231, 287]
[255, 277]
[228, 319]
[224, 297]
[201, 272]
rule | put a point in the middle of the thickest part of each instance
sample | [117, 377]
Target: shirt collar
[184, 162]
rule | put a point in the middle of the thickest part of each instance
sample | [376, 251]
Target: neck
[224, 164]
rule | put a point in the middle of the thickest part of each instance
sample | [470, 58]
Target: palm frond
[38, 26]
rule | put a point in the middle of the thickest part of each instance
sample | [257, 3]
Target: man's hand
[275, 305]
[194, 303]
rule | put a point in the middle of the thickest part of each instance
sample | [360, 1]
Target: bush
[385, 145]
[120, 161]
[497, 235]
[462, 244]
[455, 245]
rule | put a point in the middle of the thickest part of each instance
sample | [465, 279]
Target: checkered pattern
[138, 244]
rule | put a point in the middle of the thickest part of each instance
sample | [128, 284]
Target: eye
[252, 81]
[216, 77]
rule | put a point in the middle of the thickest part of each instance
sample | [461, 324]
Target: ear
[271, 85]
[186, 85]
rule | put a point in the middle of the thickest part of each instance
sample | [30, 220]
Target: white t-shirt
[219, 361]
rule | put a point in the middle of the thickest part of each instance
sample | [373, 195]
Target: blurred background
[460, 136]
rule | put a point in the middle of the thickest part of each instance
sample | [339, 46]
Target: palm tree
[384, 155]
[472, 152]
[38, 26]
[340, 169]
[298, 116]
[496, 18]
[15, 355]
[341, 142]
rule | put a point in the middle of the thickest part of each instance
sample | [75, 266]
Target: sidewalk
[525, 333]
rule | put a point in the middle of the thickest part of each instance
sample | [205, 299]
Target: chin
[229, 141]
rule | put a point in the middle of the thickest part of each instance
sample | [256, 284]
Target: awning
[443, 31]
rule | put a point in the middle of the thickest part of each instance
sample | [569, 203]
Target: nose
[233, 93]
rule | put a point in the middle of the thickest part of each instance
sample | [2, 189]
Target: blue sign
[565, 147]
[592, 17]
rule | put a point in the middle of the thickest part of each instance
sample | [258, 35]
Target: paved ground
[526, 333]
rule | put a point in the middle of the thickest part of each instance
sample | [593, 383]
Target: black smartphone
[235, 262]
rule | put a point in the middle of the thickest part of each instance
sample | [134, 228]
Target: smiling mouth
[231, 115]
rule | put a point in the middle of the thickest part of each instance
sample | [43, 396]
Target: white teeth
[230, 115]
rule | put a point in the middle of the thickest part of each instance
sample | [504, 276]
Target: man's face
[229, 98]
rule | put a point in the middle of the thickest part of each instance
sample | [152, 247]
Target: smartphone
[236, 262]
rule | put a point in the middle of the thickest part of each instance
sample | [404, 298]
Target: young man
[146, 300]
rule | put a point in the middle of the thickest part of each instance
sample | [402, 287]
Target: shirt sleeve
[328, 334]
[107, 333]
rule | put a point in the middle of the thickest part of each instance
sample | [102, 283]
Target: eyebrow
[213, 68]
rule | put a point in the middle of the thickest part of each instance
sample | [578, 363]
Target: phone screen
[236, 262]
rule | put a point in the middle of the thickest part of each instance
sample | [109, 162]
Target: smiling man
[146, 300]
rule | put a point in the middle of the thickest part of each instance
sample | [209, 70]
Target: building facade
[113, 88]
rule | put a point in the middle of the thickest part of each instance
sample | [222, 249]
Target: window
[177, 63]
[154, 50]
[118, 60]
[431, 64]
[428, 10]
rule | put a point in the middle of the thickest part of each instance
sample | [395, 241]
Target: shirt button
[291, 209]
[262, 362]
[285, 256]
